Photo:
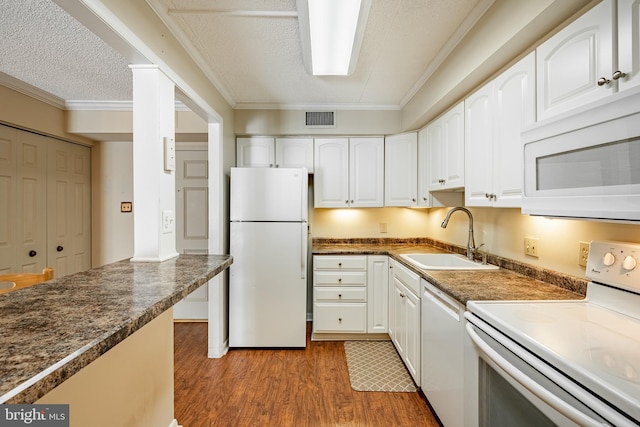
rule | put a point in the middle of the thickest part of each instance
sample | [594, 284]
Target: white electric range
[574, 363]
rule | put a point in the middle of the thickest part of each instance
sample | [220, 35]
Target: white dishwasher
[442, 344]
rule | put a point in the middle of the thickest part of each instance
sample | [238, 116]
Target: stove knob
[629, 263]
[608, 259]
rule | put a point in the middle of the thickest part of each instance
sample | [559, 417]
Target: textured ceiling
[43, 46]
[255, 60]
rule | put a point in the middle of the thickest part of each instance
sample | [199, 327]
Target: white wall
[112, 183]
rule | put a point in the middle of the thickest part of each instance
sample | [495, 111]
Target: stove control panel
[615, 264]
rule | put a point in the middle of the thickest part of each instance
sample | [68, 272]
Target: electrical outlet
[531, 246]
[125, 207]
[583, 254]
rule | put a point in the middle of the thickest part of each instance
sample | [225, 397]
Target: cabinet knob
[413, 200]
[351, 201]
[401, 295]
[340, 280]
[59, 249]
[618, 75]
[339, 264]
[603, 81]
[339, 295]
[277, 165]
[339, 319]
[32, 253]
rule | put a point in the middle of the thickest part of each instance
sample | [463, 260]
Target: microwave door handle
[545, 395]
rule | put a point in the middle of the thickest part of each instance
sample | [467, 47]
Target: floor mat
[376, 366]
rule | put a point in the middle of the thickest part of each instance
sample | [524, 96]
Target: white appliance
[586, 165]
[268, 243]
[570, 363]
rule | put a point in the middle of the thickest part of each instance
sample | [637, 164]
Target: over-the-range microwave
[587, 164]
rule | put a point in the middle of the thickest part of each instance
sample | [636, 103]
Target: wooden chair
[24, 280]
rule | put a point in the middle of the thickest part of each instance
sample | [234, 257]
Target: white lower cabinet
[339, 294]
[442, 347]
[350, 294]
[404, 316]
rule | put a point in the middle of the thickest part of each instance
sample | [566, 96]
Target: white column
[153, 185]
[218, 311]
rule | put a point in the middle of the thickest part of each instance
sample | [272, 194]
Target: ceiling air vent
[320, 119]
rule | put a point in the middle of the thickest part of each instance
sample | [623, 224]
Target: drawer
[340, 294]
[408, 277]
[339, 278]
[340, 317]
[334, 262]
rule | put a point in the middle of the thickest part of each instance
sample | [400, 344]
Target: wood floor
[278, 387]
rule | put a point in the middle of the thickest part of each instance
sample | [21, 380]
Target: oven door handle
[543, 394]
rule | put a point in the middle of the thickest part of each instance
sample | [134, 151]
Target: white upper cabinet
[401, 170]
[349, 172]
[445, 144]
[269, 152]
[495, 116]
[294, 153]
[366, 172]
[255, 152]
[576, 65]
[629, 43]
[331, 178]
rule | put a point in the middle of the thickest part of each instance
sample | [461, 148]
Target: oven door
[585, 171]
[510, 386]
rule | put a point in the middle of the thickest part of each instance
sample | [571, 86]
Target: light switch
[169, 154]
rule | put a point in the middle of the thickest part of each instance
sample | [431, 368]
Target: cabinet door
[435, 152]
[569, 64]
[513, 110]
[366, 172]
[412, 328]
[255, 152]
[453, 149]
[294, 153]
[377, 294]
[397, 329]
[331, 179]
[479, 147]
[629, 43]
[401, 170]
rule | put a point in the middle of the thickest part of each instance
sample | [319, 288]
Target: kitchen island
[55, 332]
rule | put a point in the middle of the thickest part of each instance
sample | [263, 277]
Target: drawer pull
[339, 264]
[339, 295]
[340, 280]
[339, 319]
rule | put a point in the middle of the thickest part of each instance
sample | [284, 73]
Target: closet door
[31, 202]
[8, 245]
[68, 207]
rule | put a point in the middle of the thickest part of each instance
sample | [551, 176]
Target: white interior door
[192, 223]
[8, 211]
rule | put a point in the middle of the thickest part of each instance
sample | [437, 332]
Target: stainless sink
[445, 262]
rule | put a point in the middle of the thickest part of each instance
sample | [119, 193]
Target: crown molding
[317, 107]
[31, 91]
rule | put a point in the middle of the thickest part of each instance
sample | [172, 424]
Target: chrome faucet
[471, 244]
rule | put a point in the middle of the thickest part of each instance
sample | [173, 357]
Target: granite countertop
[50, 331]
[513, 281]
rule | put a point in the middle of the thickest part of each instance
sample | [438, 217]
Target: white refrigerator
[268, 243]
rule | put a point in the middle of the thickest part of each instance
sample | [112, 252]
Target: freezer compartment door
[268, 285]
[264, 194]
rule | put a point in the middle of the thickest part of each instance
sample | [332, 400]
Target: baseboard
[190, 320]
[316, 336]
[218, 352]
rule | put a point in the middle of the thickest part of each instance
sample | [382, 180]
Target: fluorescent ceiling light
[331, 32]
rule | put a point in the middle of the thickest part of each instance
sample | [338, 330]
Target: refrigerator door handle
[303, 251]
